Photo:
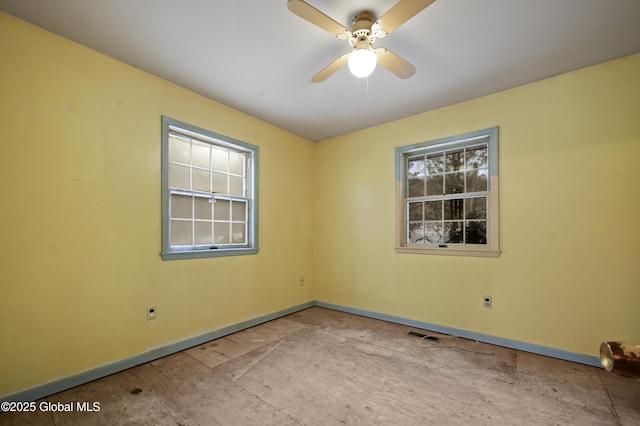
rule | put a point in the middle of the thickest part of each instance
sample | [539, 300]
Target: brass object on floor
[622, 358]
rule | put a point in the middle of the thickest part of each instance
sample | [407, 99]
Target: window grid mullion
[213, 223]
[425, 173]
[211, 174]
[193, 221]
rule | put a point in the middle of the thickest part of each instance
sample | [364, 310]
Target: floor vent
[424, 336]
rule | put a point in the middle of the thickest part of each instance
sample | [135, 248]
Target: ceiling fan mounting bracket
[362, 20]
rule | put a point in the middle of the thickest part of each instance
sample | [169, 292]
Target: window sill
[450, 251]
[199, 254]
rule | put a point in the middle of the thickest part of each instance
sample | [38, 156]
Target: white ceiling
[257, 57]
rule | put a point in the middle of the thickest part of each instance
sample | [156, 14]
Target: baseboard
[65, 383]
[499, 341]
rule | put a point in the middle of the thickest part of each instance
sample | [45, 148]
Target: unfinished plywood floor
[322, 367]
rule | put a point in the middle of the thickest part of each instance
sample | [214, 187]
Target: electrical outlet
[301, 281]
[486, 301]
[151, 313]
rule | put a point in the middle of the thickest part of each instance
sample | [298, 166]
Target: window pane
[239, 211]
[454, 183]
[435, 163]
[477, 157]
[433, 210]
[476, 208]
[416, 233]
[416, 187]
[179, 176]
[236, 186]
[180, 206]
[221, 233]
[202, 208]
[200, 180]
[434, 185]
[222, 210]
[453, 232]
[178, 150]
[476, 232]
[203, 233]
[181, 233]
[200, 155]
[415, 167]
[433, 232]
[236, 163]
[415, 211]
[238, 233]
[219, 183]
[454, 209]
[477, 180]
[454, 160]
[220, 159]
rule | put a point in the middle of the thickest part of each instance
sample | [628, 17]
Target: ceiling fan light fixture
[362, 62]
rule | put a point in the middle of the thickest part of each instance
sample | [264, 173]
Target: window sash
[229, 172]
[441, 219]
[193, 219]
[415, 164]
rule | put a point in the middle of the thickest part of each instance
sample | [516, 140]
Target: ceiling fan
[364, 30]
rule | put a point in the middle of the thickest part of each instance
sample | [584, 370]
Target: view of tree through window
[446, 192]
[436, 214]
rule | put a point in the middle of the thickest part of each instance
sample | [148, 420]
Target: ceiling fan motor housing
[361, 35]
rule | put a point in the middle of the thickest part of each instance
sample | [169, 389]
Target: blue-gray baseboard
[499, 341]
[65, 383]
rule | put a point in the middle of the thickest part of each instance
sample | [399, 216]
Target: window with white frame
[447, 192]
[209, 193]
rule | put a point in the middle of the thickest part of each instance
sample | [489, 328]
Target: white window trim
[167, 252]
[492, 248]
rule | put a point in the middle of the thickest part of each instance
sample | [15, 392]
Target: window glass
[202, 208]
[222, 210]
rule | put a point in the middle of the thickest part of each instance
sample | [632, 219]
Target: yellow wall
[568, 275]
[80, 214]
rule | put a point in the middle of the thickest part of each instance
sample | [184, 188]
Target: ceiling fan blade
[400, 13]
[330, 69]
[395, 63]
[313, 15]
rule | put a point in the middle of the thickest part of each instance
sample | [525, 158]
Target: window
[209, 193]
[448, 195]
